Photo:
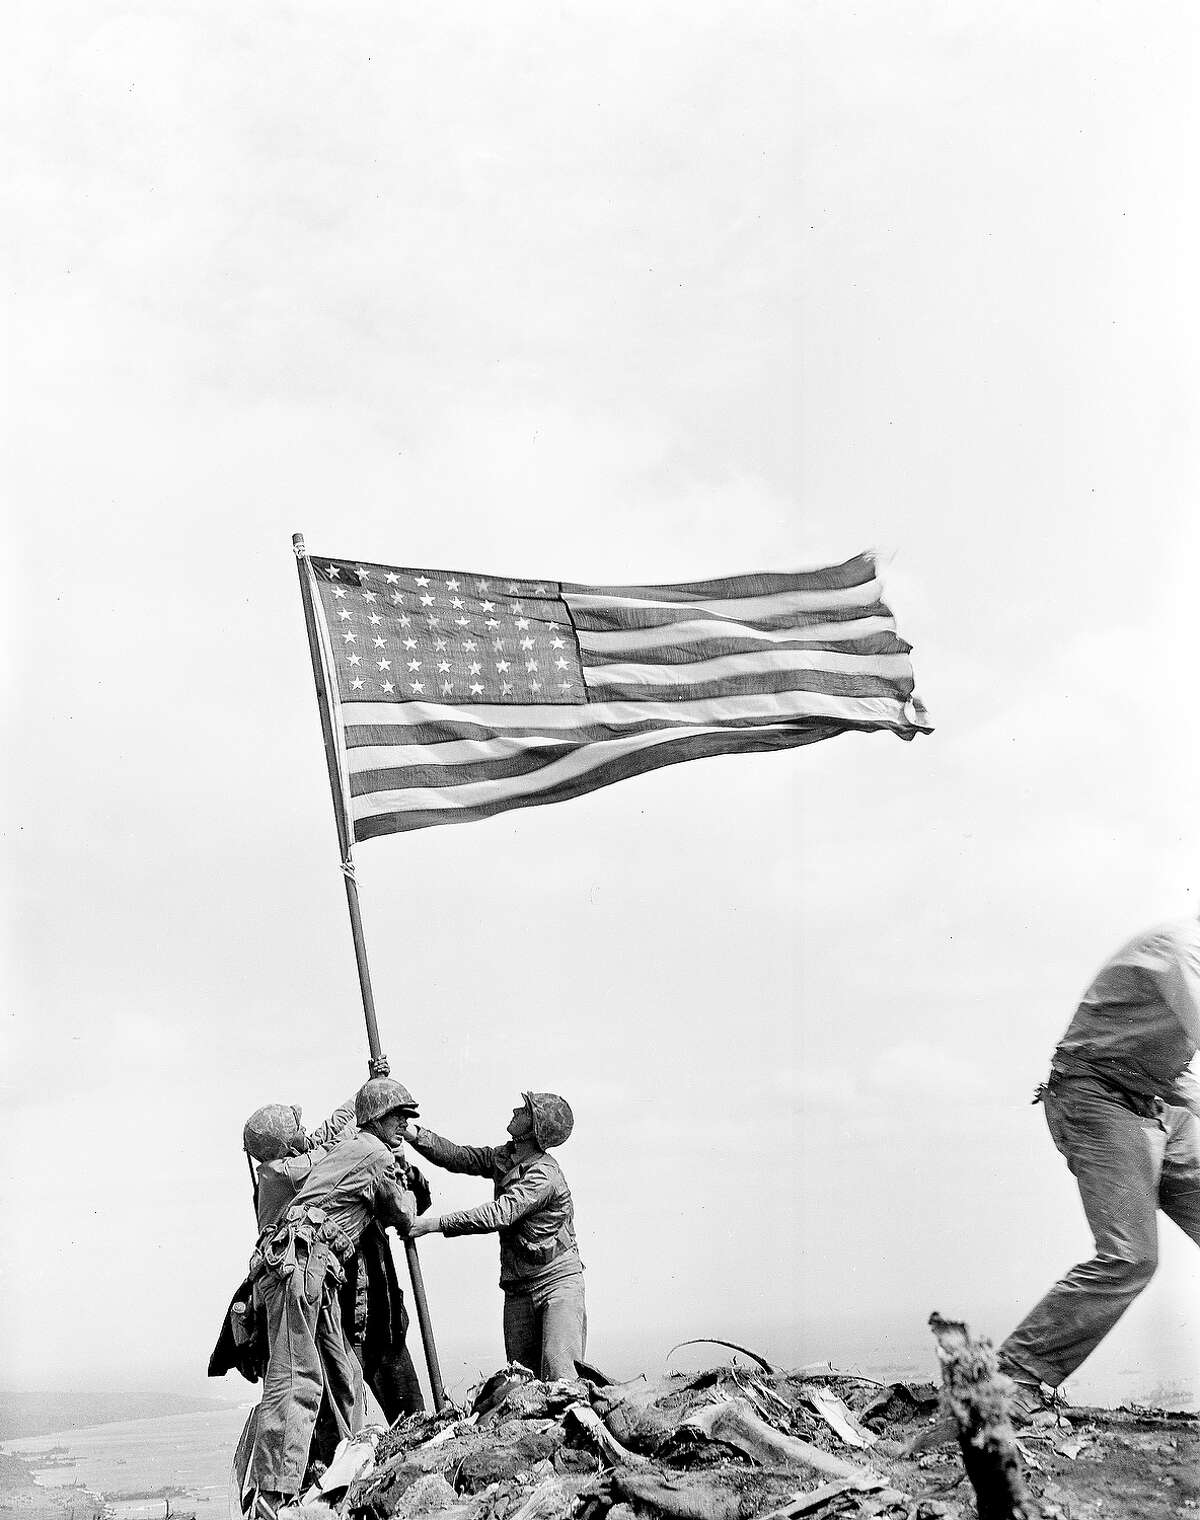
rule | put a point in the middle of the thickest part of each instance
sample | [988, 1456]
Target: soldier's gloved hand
[378, 1066]
[425, 1224]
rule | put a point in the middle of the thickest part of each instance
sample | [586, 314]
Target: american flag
[456, 696]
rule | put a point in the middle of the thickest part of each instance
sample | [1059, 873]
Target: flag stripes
[458, 696]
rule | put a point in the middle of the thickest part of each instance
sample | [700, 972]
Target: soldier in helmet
[545, 1321]
[373, 1308]
[297, 1270]
[374, 1315]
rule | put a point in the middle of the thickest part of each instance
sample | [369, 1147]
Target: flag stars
[416, 686]
[354, 660]
[385, 664]
[439, 645]
[388, 687]
[350, 638]
[375, 620]
[404, 620]
[469, 645]
[498, 645]
[451, 585]
[491, 623]
[332, 572]
[522, 623]
[397, 598]
[421, 580]
[564, 686]
[506, 689]
[513, 588]
[531, 666]
[392, 578]
[427, 600]
[410, 643]
[361, 573]
[526, 644]
[475, 668]
[501, 666]
[447, 688]
[369, 596]
[462, 622]
[343, 612]
[560, 663]
[476, 689]
[379, 643]
[414, 664]
[481, 587]
[539, 589]
[356, 684]
[487, 606]
[339, 591]
[558, 643]
[535, 686]
[458, 603]
[444, 667]
[516, 609]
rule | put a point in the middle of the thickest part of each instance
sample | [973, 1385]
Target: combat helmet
[381, 1096]
[270, 1132]
[552, 1118]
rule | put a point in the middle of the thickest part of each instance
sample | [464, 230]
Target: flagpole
[345, 841]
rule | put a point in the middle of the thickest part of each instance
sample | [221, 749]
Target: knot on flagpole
[348, 869]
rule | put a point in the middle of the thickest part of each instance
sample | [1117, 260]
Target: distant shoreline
[26, 1415]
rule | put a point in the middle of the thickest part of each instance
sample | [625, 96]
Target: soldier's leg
[395, 1384]
[564, 1330]
[292, 1387]
[1116, 1157]
[522, 1333]
[1179, 1187]
[343, 1375]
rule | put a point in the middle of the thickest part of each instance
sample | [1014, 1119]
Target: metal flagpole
[345, 841]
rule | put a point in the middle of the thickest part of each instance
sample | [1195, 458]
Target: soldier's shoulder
[1175, 933]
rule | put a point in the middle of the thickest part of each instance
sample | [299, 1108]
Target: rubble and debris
[741, 1443]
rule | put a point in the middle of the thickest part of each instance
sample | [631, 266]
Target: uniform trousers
[545, 1329]
[308, 1358]
[1128, 1165]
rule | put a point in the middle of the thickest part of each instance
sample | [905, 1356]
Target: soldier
[545, 1321]
[297, 1270]
[374, 1315]
[373, 1310]
[1126, 1117]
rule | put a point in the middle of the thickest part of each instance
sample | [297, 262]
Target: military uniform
[545, 1317]
[297, 1271]
[1125, 1115]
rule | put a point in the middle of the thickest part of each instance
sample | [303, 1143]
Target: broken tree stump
[977, 1396]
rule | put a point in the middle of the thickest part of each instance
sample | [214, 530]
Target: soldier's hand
[378, 1067]
[426, 1224]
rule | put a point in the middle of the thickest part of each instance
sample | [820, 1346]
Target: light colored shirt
[1138, 1024]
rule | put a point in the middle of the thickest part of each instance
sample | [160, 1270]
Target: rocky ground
[740, 1443]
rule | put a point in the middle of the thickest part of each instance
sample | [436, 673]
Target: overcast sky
[615, 293]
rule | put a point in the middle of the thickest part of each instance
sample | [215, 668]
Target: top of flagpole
[298, 546]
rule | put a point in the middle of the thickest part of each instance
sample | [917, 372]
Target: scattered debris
[839, 1419]
[739, 1443]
